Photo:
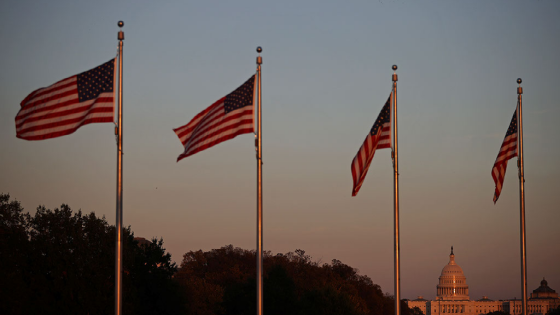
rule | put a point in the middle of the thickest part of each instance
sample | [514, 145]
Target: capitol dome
[452, 282]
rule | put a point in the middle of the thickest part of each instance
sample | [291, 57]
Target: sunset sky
[326, 74]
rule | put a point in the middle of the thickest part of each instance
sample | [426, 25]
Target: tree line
[63, 262]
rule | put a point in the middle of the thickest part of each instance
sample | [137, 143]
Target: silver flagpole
[119, 132]
[396, 193]
[259, 193]
[522, 196]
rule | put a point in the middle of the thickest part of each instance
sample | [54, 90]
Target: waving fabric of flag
[230, 116]
[65, 106]
[378, 138]
[508, 150]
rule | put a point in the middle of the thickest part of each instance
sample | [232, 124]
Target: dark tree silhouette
[14, 248]
[60, 262]
[222, 281]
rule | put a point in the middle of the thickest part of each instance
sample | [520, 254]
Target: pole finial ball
[121, 23]
[519, 81]
[259, 49]
[395, 67]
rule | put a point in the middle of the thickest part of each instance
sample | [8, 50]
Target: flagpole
[522, 197]
[259, 193]
[396, 193]
[119, 131]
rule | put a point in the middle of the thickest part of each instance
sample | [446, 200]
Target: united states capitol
[453, 297]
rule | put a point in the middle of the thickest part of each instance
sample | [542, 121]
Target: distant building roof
[544, 292]
[142, 241]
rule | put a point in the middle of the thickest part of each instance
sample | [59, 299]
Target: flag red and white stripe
[65, 106]
[508, 150]
[378, 138]
[227, 118]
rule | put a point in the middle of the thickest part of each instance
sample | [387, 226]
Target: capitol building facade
[453, 297]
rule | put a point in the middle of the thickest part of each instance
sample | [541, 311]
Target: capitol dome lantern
[452, 282]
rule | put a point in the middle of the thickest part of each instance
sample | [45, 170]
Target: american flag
[378, 138]
[65, 106]
[227, 118]
[507, 151]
